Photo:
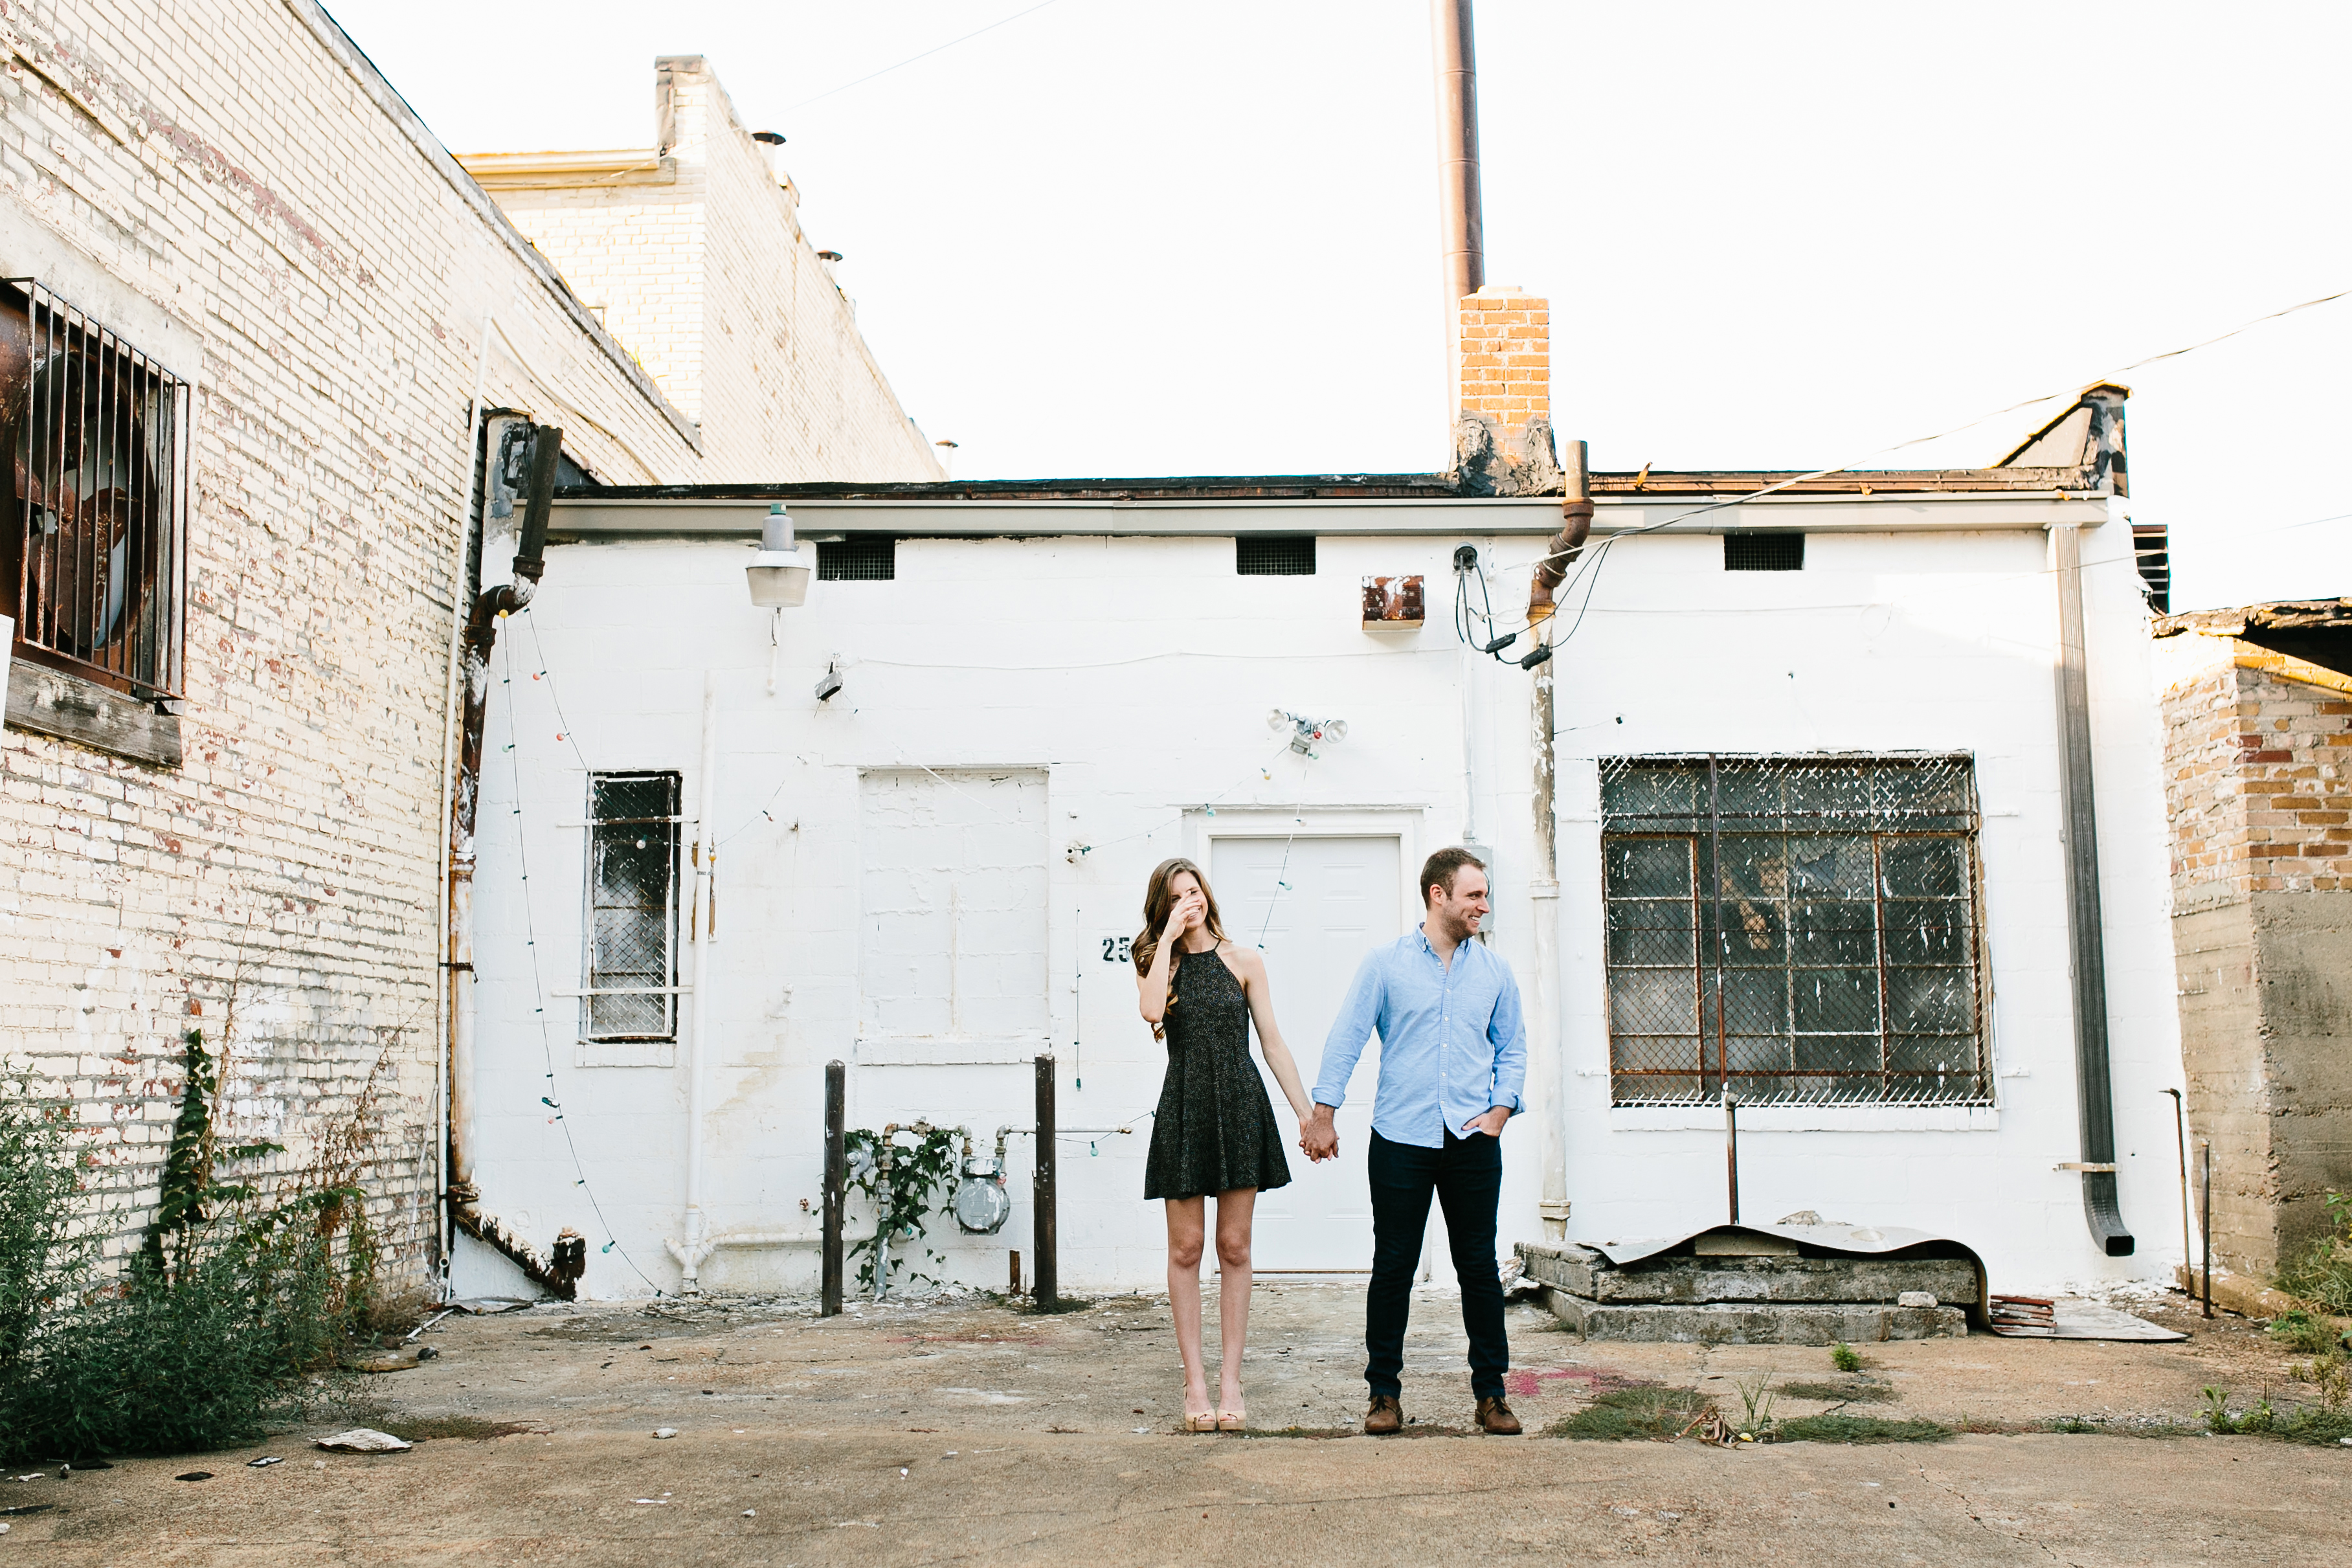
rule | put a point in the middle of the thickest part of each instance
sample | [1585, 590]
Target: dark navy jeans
[1467, 1177]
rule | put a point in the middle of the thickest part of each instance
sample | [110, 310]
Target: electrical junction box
[1392, 604]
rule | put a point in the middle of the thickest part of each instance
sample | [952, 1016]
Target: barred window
[632, 907]
[1804, 930]
[93, 545]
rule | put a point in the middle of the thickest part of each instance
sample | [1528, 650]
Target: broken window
[1804, 930]
[93, 544]
[1275, 555]
[631, 992]
[858, 558]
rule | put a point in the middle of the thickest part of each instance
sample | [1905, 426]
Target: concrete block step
[1684, 1280]
[1775, 1323]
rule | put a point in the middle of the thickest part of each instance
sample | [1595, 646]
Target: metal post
[837, 1172]
[1731, 1146]
[1013, 1284]
[1045, 1291]
[2205, 1150]
[2181, 1138]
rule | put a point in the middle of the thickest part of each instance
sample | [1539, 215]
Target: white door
[1316, 916]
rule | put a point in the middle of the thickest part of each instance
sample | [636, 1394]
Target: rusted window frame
[63, 597]
[670, 823]
[1711, 1064]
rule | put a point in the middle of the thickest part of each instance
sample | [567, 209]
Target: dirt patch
[1625, 1415]
[1841, 1392]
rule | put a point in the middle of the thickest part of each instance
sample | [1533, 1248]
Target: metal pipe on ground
[559, 1272]
[2093, 1073]
[836, 1173]
[1043, 1222]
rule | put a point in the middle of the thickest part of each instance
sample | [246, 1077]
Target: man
[1453, 1058]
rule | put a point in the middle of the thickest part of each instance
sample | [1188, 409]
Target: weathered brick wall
[710, 283]
[232, 186]
[2257, 750]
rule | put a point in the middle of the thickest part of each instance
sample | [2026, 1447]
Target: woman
[1214, 1131]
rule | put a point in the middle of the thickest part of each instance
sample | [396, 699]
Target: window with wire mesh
[1763, 552]
[94, 540]
[1804, 930]
[860, 558]
[1275, 555]
[632, 907]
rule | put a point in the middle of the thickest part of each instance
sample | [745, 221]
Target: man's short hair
[1440, 869]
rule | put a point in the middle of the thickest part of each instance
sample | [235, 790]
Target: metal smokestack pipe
[1462, 223]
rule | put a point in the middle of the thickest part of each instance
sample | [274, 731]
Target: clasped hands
[1319, 1139]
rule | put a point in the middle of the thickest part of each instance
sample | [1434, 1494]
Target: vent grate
[1275, 555]
[860, 558]
[1763, 552]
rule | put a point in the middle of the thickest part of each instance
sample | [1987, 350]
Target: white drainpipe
[702, 925]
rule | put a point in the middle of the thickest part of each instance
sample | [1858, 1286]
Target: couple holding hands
[1452, 1060]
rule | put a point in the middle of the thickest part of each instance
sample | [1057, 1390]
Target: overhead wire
[910, 60]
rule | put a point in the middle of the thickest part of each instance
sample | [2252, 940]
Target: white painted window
[953, 889]
[1805, 930]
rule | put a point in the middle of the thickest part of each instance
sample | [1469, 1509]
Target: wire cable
[910, 60]
[539, 989]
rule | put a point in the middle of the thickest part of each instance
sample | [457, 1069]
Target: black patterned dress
[1214, 1130]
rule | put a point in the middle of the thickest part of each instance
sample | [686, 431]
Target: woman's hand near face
[1186, 914]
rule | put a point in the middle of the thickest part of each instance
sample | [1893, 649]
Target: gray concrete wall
[2303, 971]
[2229, 1097]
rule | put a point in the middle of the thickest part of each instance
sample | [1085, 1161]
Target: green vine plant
[900, 1189]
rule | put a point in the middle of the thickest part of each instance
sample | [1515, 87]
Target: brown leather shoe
[1384, 1418]
[1495, 1417]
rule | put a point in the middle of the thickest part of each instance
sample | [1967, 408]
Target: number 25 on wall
[1115, 949]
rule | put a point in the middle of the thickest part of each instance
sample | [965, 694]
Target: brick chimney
[1502, 436]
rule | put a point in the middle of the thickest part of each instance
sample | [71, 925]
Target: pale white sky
[1111, 238]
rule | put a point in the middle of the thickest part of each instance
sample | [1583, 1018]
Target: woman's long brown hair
[1158, 903]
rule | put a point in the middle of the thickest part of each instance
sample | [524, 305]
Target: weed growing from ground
[1841, 1392]
[2322, 1274]
[2299, 1331]
[1623, 1414]
[1858, 1429]
[205, 1331]
[1843, 1357]
[1758, 1397]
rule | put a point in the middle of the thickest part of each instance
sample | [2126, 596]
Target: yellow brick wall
[711, 283]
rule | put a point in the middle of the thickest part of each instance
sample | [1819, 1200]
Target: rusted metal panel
[1392, 604]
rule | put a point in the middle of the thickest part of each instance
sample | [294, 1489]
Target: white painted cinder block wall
[1136, 674]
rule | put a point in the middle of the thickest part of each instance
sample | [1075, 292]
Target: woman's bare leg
[1235, 1212]
[1185, 1235]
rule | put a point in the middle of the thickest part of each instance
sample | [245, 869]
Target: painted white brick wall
[1136, 674]
[223, 188]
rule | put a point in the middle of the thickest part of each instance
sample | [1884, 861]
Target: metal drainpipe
[2094, 1088]
[559, 1274]
[1545, 1064]
[442, 1044]
[697, 1246]
[1462, 222]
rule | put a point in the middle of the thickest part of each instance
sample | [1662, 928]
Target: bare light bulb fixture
[1306, 734]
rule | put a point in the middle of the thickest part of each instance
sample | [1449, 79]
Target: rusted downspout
[1543, 883]
[1461, 217]
[560, 1274]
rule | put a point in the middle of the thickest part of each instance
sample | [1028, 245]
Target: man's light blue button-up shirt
[1454, 1044]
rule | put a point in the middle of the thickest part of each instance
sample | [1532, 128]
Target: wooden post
[1012, 1287]
[836, 1178]
[1045, 1291]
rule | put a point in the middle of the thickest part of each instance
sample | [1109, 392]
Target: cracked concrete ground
[962, 1431]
